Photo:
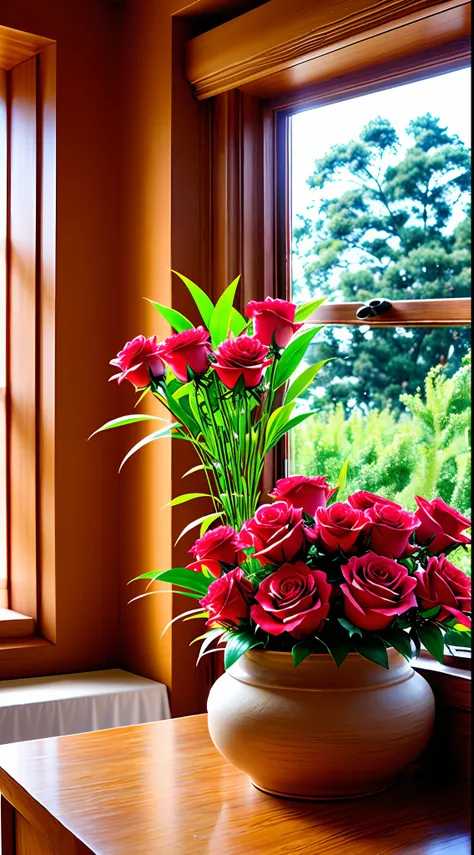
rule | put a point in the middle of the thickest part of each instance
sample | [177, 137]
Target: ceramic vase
[317, 731]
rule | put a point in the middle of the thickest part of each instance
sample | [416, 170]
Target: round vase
[317, 731]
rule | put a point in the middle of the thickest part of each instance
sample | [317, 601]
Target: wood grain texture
[276, 38]
[163, 788]
[417, 313]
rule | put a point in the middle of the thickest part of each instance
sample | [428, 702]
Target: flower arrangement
[305, 573]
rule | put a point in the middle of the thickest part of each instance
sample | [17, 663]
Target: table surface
[163, 788]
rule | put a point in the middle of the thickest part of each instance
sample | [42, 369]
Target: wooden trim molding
[16, 47]
[450, 312]
[295, 46]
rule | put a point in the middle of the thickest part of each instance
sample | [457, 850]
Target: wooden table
[163, 788]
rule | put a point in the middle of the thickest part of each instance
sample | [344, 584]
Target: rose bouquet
[305, 573]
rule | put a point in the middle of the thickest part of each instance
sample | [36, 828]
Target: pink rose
[444, 523]
[376, 589]
[189, 348]
[276, 532]
[300, 491]
[294, 599]
[339, 526]
[216, 546]
[362, 500]
[442, 584]
[227, 599]
[390, 528]
[243, 356]
[136, 358]
[273, 318]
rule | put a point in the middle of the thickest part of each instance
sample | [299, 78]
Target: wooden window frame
[28, 66]
[251, 86]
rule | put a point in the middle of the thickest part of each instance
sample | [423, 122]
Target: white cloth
[35, 707]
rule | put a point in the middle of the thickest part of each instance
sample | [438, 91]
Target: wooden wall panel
[21, 378]
[3, 287]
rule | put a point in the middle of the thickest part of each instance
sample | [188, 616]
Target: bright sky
[314, 131]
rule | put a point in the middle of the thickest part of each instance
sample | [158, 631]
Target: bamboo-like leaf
[174, 318]
[177, 617]
[207, 519]
[342, 477]
[289, 426]
[186, 497]
[219, 323]
[199, 468]
[304, 380]
[140, 399]
[185, 578]
[307, 309]
[203, 302]
[183, 390]
[159, 434]
[237, 322]
[278, 419]
[127, 420]
[292, 356]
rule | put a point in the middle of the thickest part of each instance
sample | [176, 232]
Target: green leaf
[399, 640]
[206, 521]
[301, 651]
[304, 380]
[307, 309]
[174, 318]
[180, 576]
[199, 468]
[159, 434]
[289, 426]
[237, 323]
[351, 628]
[210, 637]
[204, 304]
[237, 645]
[431, 612]
[186, 497]
[127, 420]
[183, 390]
[433, 640]
[338, 647]
[219, 323]
[458, 638]
[292, 356]
[278, 419]
[342, 477]
[371, 648]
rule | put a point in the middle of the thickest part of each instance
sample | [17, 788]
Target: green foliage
[391, 235]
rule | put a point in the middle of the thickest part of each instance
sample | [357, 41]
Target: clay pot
[317, 731]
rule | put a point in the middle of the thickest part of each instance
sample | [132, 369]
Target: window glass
[380, 194]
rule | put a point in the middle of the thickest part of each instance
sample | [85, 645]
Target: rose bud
[390, 528]
[305, 492]
[440, 522]
[219, 545]
[376, 589]
[227, 599]
[362, 500]
[273, 319]
[136, 358]
[294, 599]
[245, 357]
[339, 526]
[189, 348]
[443, 584]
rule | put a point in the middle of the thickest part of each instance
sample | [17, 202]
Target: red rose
[390, 528]
[273, 318]
[216, 546]
[276, 532]
[363, 500]
[294, 599]
[191, 347]
[442, 584]
[300, 491]
[227, 599]
[243, 356]
[134, 360]
[376, 589]
[439, 520]
[339, 526]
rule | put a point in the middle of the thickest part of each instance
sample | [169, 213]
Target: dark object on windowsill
[373, 308]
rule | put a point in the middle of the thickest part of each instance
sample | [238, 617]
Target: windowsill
[14, 625]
